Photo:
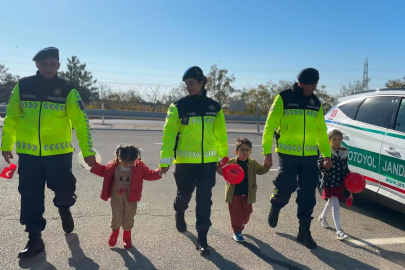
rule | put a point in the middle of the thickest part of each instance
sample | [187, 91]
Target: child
[241, 196]
[332, 181]
[123, 179]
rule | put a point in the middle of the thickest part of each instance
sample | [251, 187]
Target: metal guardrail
[155, 115]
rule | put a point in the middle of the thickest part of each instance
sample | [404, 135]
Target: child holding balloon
[332, 181]
[123, 179]
[240, 197]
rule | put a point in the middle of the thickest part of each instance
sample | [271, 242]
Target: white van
[373, 126]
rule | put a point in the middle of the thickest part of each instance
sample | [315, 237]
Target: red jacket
[139, 172]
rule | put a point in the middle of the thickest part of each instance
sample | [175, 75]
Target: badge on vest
[57, 91]
[185, 120]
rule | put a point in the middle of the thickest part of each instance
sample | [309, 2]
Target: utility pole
[365, 75]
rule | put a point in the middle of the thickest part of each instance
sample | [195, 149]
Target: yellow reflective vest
[194, 132]
[40, 115]
[300, 124]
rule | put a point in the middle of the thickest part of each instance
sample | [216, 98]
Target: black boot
[68, 224]
[180, 222]
[304, 234]
[202, 245]
[273, 217]
[34, 246]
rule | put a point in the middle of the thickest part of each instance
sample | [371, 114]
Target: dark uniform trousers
[33, 172]
[189, 177]
[296, 173]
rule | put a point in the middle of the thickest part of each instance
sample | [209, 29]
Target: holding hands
[268, 160]
[327, 164]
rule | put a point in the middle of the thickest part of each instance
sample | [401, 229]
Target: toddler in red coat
[123, 180]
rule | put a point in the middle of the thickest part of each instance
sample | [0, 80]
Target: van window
[376, 111]
[350, 108]
[400, 122]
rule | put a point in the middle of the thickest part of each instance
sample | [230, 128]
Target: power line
[233, 70]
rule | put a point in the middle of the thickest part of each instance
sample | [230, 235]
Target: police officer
[38, 122]
[195, 129]
[301, 130]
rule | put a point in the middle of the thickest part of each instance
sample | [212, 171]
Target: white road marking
[376, 242]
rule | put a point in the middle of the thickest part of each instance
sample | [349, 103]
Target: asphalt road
[377, 232]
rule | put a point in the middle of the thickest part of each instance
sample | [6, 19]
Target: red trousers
[240, 212]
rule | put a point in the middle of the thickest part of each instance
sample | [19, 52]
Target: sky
[154, 42]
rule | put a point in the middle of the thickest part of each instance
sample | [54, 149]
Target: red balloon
[233, 173]
[354, 182]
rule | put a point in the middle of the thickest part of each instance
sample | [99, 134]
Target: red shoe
[127, 239]
[113, 237]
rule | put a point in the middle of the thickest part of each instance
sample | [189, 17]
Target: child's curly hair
[127, 153]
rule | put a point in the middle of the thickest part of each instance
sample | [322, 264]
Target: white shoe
[323, 221]
[341, 235]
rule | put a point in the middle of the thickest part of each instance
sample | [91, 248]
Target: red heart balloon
[233, 173]
[354, 182]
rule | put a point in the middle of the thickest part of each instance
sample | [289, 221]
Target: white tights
[333, 204]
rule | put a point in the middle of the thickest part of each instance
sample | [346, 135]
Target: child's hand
[327, 164]
[164, 169]
[219, 170]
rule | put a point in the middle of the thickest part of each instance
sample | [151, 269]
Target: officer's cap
[308, 76]
[47, 52]
[195, 73]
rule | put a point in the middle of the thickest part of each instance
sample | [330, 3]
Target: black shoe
[273, 217]
[180, 222]
[202, 245]
[68, 224]
[304, 235]
[34, 246]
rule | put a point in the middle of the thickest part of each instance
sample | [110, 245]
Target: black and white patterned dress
[331, 181]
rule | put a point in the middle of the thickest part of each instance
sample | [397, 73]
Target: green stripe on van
[390, 134]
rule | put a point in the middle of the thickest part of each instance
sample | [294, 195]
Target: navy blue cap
[308, 76]
[47, 52]
[194, 72]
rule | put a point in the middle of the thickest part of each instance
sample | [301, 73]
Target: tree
[7, 83]
[263, 95]
[178, 92]
[395, 83]
[153, 96]
[219, 85]
[351, 88]
[327, 100]
[81, 79]
[174, 94]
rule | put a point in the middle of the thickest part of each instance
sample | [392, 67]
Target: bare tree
[219, 85]
[153, 96]
[351, 88]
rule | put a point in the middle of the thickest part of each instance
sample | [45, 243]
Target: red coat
[139, 172]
